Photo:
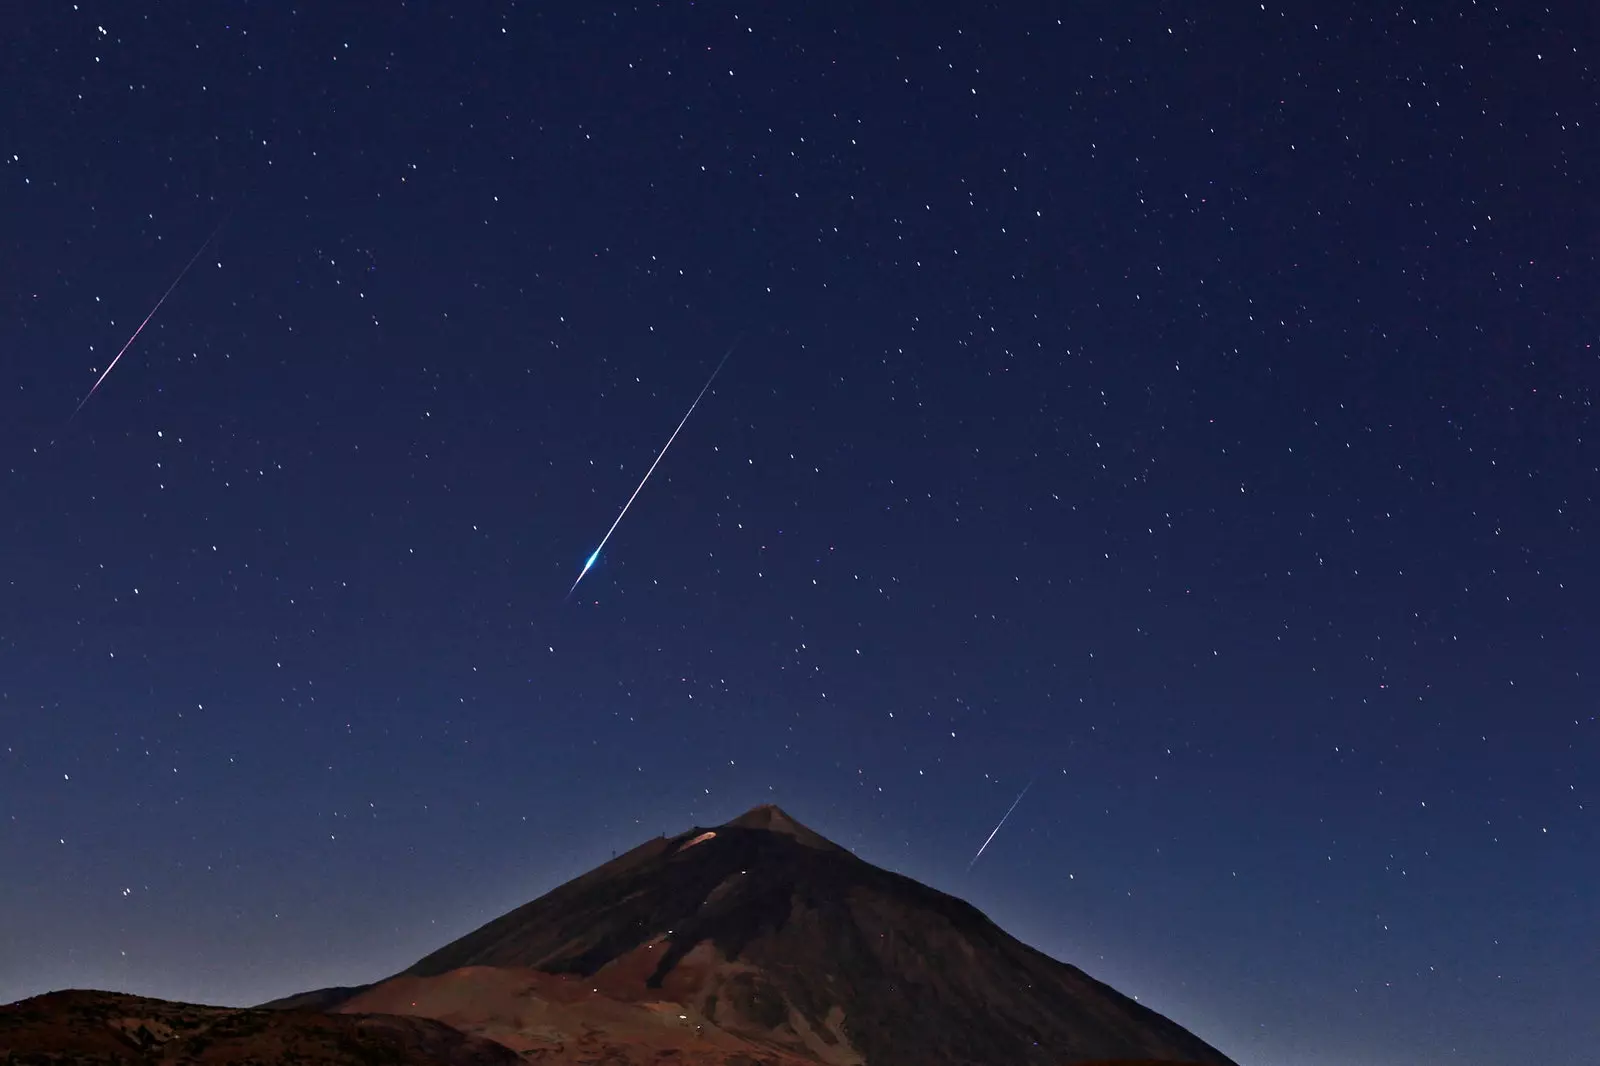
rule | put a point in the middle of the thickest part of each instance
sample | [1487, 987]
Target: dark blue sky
[1193, 416]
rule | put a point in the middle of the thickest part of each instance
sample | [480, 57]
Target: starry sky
[1188, 418]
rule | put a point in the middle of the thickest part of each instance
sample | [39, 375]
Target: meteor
[113, 364]
[595, 555]
[1003, 818]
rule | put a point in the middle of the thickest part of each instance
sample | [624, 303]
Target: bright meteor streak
[1003, 818]
[113, 364]
[595, 555]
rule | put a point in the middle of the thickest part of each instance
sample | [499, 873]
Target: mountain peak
[775, 819]
[763, 939]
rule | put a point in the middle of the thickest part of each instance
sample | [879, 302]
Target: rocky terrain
[82, 1027]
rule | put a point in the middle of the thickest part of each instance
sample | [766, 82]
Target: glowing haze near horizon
[1194, 414]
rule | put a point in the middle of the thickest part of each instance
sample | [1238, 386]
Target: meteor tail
[593, 556]
[113, 364]
[995, 832]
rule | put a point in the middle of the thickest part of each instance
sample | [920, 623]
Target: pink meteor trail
[146, 322]
[596, 553]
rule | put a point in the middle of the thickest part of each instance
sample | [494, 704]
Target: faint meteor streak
[113, 364]
[1003, 818]
[595, 555]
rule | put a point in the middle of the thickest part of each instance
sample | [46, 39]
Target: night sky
[1192, 417]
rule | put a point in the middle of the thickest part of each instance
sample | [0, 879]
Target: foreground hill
[761, 942]
[82, 1027]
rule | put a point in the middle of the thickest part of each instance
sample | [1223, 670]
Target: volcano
[761, 942]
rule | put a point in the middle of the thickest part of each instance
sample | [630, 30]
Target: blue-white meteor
[1003, 818]
[595, 555]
